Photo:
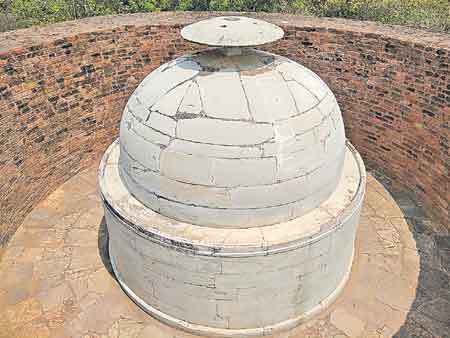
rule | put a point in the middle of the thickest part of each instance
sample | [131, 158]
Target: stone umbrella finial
[232, 31]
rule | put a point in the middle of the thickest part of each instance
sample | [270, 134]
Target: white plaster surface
[243, 127]
[346, 195]
[232, 282]
[217, 103]
[232, 197]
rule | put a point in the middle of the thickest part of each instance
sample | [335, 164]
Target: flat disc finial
[232, 31]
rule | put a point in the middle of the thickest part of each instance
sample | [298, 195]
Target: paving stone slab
[65, 290]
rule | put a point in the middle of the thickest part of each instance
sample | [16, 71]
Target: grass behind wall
[431, 14]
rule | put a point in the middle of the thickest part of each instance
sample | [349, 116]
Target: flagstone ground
[56, 280]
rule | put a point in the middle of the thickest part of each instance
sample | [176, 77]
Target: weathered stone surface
[304, 100]
[172, 76]
[425, 317]
[78, 116]
[143, 130]
[191, 104]
[170, 103]
[305, 77]
[186, 193]
[149, 159]
[165, 279]
[349, 324]
[233, 105]
[290, 146]
[242, 172]
[185, 168]
[161, 123]
[242, 120]
[269, 96]
[211, 150]
[233, 133]
[116, 193]
[289, 128]
[232, 31]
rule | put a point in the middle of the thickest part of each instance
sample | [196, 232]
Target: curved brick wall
[63, 88]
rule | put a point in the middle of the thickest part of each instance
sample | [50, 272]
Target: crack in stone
[306, 111]
[246, 97]
[161, 145]
[324, 141]
[264, 244]
[177, 117]
[271, 140]
[192, 78]
[195, 205]
[149, 126]
[176, 62]
[182, 99]
[388, 305]
[186, 116]
[333, 121]
[202, 103]
[289, 89]
[292, 79]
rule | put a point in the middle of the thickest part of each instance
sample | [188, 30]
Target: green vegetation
[434, 14]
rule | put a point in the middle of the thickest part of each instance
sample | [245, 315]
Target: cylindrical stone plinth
[232, 282]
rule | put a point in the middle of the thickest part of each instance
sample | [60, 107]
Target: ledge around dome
[201, 240]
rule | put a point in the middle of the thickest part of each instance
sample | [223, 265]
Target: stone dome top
[232, 31]
[232, 141]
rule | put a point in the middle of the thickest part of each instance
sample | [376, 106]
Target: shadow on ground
[429, 315]
[103, 246]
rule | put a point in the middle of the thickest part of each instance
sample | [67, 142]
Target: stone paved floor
[55, 279]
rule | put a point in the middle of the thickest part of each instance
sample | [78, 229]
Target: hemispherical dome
[232, 141]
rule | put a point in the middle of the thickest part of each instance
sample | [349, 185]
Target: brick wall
[63, 88]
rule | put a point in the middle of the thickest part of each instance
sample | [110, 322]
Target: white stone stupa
[232, 196]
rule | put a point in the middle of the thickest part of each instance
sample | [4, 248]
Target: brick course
[63, 88]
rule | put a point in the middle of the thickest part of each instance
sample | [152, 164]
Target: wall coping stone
[16, 42]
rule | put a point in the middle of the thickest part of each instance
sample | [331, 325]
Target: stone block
[328, 105]
[132, 152]
[299, 124]
[263, 196]
[243, 172]
[294, 72]
[186, 168]
[161, 123]
[268, 96]
[168, 79]
[168, 105]
[191, 105]
[136, 108]
[233, 133]
[289, 145]
[304, 99]
[146, 132]
[212, 150]
[217, 89]
[186, 193]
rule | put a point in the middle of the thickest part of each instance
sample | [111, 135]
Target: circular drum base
[217, 332]
[232, 282]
